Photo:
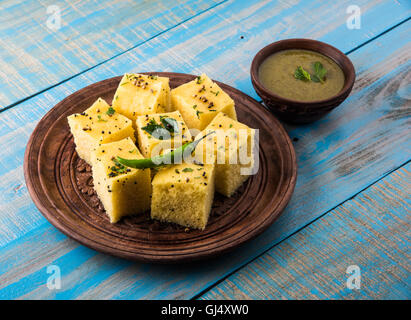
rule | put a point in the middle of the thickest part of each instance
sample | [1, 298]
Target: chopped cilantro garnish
[319, 71]
[169, 124]
[156, 130]
[110, 111]
[301, 74]
[163, 130]
[117, 169]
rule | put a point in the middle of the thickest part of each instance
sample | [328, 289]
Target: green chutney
[276, 73]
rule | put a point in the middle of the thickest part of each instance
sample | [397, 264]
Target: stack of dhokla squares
[146, 118]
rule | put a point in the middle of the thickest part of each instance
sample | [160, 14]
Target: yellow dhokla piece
[123, 191]
[166, 105]
[231, 149]
[183, 194]
[98, 124]
[139, 94]
[149, 141]
[200, 100]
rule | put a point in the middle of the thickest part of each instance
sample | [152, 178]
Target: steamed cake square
[139, 94]
[148, 141]
[123, 191]
[200, 100]
[230, 140]
[183, 194]
[98, 124]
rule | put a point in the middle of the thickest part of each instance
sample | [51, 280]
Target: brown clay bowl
[297, 111]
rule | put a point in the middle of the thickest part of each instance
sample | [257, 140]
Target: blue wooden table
[346, 232]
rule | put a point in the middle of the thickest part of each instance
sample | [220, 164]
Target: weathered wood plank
[38, 57]
[35, 57]
[179, 50]
[321, 150]
[372, 231]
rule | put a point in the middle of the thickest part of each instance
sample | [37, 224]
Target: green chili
[159, 160]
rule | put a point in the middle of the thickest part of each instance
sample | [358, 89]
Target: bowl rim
[299, 43]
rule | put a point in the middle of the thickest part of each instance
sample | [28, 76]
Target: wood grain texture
[372, 230]
[35, 57]
[184, 51]
[50, 170]
[345, 152]
[93, 32]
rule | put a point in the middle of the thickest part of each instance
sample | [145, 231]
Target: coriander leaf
[117, 169]
[314, 78]
[110, 111]
[301, 74]
[151, 126]
[319, 72]
[169, 124]
[159, 131]
[187, 170]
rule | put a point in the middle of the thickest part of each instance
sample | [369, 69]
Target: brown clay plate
[60, 185]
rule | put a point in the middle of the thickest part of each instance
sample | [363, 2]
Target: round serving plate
[61, 186]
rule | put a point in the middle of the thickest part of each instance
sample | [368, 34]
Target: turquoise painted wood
[354, 146]
[93, 32]
[37, 53]
[371, 231]
[168, 53]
